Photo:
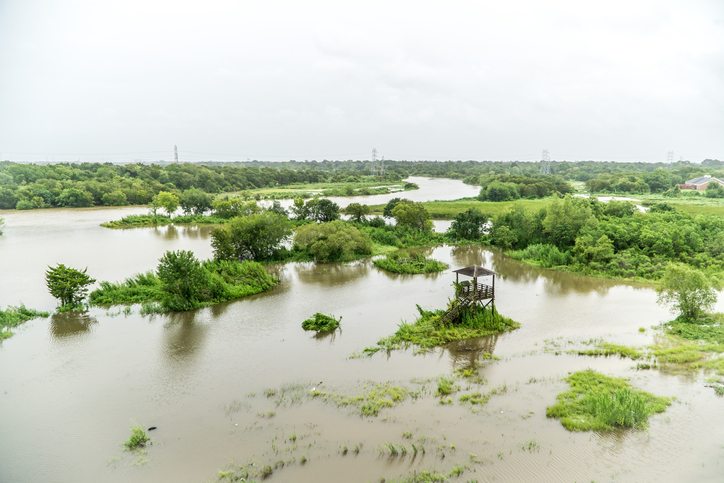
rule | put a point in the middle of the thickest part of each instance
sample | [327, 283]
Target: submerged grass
[607, 349]
[146, 221]
[12, 317]
[406, 263]
[375, 398]
[430, 331]
[596, 402]
[321, 323]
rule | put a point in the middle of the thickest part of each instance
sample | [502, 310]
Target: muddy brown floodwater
[71, 387]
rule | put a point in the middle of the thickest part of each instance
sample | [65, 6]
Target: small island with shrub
[321, 323]
[409, 263]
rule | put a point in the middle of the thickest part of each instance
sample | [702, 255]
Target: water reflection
[467, 354]
[183, 335]
[331, 274]
[71, 324]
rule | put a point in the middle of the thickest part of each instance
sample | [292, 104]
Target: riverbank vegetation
[182, 282]
[12, 317]
[321, 323]
[432, 329]
[611, 239]
[596, 402]
[409, 263]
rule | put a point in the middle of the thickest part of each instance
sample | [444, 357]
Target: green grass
[321, 323]
[146, 221]
[307, 190]
[12, 317]
[446, 386]
[446, 210]
[138, 438]
[695, 205]
[374, 399]
[596, 402]
[429, 331]
[229, 280]
[409, 263]
[608, 349]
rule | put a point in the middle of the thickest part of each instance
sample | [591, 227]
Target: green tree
[166, 200]
[412, 215]
[184, 280]
[468, 225]
[322, 210]
[687, 291]
[2, 224]
[564, 219]
[299, 209]
[253, 237]
[68, 285]
[114, 198]
[334, 241]
[357, 211]
[75, 198]
[195, 201]
[387, 212]
[232, 206]
[499, 191]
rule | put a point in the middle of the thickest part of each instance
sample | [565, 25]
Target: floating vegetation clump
[12, 317]
[375, 398]
[409, 263]
[432, 330]
[138, 438]
[596, 402]
[321, 323]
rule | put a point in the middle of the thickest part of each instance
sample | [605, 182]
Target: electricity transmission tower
[545, 162]
[670, 157]
[175, 154]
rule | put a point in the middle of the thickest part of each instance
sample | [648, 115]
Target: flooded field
[234, 384]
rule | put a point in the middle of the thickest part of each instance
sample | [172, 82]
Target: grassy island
[183, 283]
[409, 263]
[432, 329]
[596, 402]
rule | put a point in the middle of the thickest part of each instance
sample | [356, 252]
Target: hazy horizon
[274, 81]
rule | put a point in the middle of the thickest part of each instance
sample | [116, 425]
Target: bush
[184, 281]
[412, 215]
[321, 323]
[409, 263]
[334, 241]
[542, 254]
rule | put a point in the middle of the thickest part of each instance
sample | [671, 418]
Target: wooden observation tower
[474, 291]
[471, 293]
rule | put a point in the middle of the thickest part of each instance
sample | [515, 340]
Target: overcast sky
[235, 80]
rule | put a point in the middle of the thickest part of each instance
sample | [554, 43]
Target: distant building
[701, 183]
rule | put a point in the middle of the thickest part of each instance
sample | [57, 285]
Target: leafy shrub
[334, 241]
[409, 263]
[542, 254]
[321, 323]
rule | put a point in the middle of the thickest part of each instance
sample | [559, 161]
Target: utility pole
[175, 154]
[545, 162]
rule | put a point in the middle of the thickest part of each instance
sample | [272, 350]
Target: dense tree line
[611, 238]
[26, 186]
